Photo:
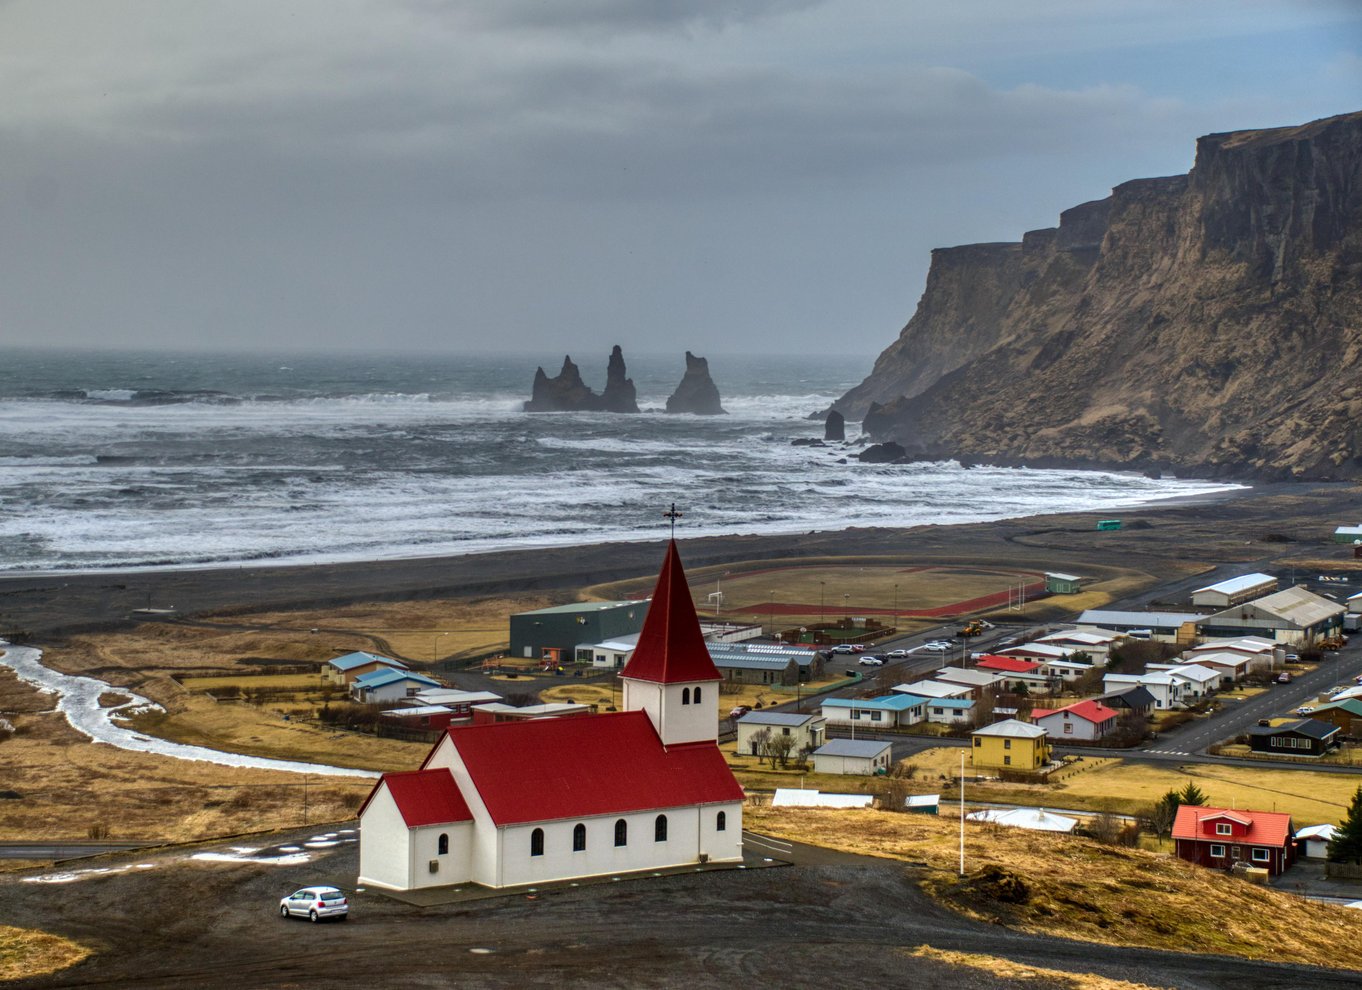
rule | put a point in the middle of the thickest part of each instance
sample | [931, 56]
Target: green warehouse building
[556, 633]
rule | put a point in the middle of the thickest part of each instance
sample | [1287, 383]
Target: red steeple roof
[671, 649]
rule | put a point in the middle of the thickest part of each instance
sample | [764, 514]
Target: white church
[535, 801]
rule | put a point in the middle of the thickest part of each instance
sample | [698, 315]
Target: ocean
[118, 461]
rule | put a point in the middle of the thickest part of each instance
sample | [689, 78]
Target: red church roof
[550, 769]
[671, 649]
[424, 797]
[1265, 828]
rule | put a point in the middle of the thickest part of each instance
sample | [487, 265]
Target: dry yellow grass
[1075, 888]
[600, 695]
[1026, 975]
[25, 952]
[298, 682]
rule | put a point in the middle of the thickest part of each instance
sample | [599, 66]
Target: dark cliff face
[1209, 323]
[697, 392]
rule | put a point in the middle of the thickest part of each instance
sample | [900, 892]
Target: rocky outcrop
[835, 426]
[1208, 323]
[882, 453]
[566, 392]
[697, 392]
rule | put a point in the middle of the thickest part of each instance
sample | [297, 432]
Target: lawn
[298, 682]
[1073, 887]
[25, 952]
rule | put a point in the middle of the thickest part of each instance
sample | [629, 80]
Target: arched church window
[443, 849]
[537, 842]
[685, 696]
[579, 838]
[660, 829]
[621, 833]
[721, 823]
[697, 696]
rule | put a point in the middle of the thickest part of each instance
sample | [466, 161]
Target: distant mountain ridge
[1208, 323]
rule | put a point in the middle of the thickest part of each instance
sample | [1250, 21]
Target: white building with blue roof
[950, 711]
[380, 686]
[888, 711]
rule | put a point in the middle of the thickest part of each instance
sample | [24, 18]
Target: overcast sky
[549, 175]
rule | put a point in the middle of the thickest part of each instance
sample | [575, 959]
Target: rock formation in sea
[697, 392]
[835, 426]
[1208, 323]
[566, 392]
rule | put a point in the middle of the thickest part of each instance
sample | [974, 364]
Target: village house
[1097, 645]
[612, 654]
[1233, 667]
[1083, 721]
[1264, 655]
[888, 711]
[344, 669]
[1312, 842]
[950, 711]
[386, 685]
[497, 711]
[1197, 681]
[808, 730]
[1235, 591]
[459, 702]
[934, 689]
[1221, 837]
[852, 756]
[1343, 713]
[979, 682]
[1166, 691]
[1132, 699]
[549, 799]
[1016, 672]
[1010, 745]
[745, 668]
[1302, 737]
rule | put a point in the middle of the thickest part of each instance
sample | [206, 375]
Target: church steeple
[671, 675]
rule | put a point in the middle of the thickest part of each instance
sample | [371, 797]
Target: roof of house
[1038, 649]
[620, 644]
[1011, 728]
[1244, 644]
[1352, 705]
[419, 710]
[1235, 585]
[951, 702]
[1084, 638]
[968, 675]
[799, 797]
[1134, 697]
[1062, 577]
[776, 718]
[453, 696]
[1147, 620]
[1013, 665]
[554, 768]
[1265, 828]
[424, 797]
[743, 661]
[922, 801]
[380, 678]
[1297, 606]
[885, 702]
[931, 689]
[866, 749]
[1316, 729]
[1195, 672]
[1223, 658]
[548, 709]
[671, 649]
[1089, 710]
[575, 608]
[1325, 832]
[358, 659]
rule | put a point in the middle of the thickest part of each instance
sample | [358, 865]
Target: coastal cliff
[566, 392]
[1208, 323]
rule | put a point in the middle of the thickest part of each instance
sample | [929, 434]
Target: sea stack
[835, 428]
[697, 392]
[619, 395]
[568, 393]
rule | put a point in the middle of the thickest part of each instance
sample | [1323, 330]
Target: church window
[685, 696]
[697, 696]
[579, 838]
[721, 823]
[621, 833]
[443, 847]
[537, 842]
[660, 829]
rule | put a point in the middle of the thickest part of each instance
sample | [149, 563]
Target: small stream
[78, 700]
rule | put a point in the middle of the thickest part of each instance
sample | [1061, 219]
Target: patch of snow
[297, 859]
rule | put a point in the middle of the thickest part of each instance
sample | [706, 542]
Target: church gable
[671, 649]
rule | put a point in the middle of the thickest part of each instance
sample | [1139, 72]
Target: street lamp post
[771, 609]
[822, 611]
[896, 607]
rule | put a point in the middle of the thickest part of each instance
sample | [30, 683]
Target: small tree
[1191, 794]
[778, 750]
[760, 739]
[1163, 813]
[1106, 828]
[1346, 845]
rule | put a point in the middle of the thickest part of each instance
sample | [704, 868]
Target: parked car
[315, 904]
[1304, 710]
[844, 648]
[1292, 658]
[739, 711]
[935, 647]
[872, 661]
[1284, 677]
[898, 654]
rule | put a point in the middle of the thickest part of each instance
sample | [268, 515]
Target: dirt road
[183, 923]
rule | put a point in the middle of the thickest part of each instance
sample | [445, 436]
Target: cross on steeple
[672, 515]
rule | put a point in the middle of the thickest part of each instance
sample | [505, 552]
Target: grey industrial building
[555, 633]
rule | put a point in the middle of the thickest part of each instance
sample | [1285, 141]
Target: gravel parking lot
[167, 920]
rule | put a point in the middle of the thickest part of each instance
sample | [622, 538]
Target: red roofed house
[1016, 671]
[535, 801]
[1220, 837]
[1085, 720]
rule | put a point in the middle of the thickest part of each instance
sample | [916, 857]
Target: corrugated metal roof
[885, 702]
[379, 678]
[360, 658]
[1138, 620]
[776, 718]
[424, 797]
[1234, 586]
[1296, 605]
[792, 797]
[574, 608]
[864, 748]
[1011, 728]
[735, 662]
[1266, 828]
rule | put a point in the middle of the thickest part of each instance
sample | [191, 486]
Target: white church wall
[483, 837]
[384, 850]
[601, 856]
[673, 708]
[725, 846]
[451, 867]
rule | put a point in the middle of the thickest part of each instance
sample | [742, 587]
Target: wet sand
[1297, 519]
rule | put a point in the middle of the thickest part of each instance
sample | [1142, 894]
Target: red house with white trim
[1086, 721]
[541, 800]
[1221, 837]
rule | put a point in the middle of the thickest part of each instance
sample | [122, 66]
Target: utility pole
[962, 813]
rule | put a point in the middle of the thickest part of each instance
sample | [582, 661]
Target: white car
[315, 904]
[871, 662]
[935, 647]
[899, 654]
[844, 648]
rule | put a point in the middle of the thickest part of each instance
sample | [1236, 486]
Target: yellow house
[1010, 745]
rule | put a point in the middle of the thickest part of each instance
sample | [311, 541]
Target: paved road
[63, 850]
